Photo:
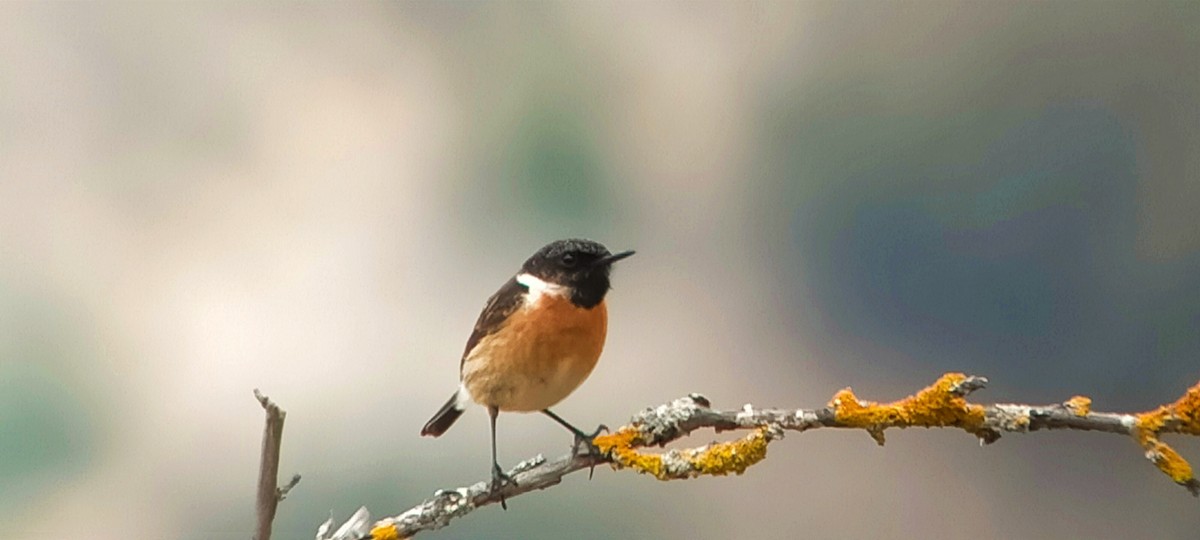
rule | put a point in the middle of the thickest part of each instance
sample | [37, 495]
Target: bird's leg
[582, 438]
[499, 479]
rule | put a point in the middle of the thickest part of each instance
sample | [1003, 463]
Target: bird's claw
[593, 451]
[500, 480]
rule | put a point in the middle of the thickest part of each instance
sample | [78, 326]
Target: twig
[942, 404]
[269, 494]
[282, 492]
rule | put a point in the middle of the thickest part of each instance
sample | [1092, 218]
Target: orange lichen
[1183, 416]
[938, 405]
[625, 437]
[1187, 411]
[717, 459]
[620, 446]
[385, 532]
[735, 457]
[1079, 405]
[1149, 424]
[1171, 463]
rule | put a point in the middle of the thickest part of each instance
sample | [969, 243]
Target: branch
[942, 404]
[269, 494]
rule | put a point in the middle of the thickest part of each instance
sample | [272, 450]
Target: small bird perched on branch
[536, 341]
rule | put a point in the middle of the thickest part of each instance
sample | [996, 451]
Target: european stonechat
[536, 341]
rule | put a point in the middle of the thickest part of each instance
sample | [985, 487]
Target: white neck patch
[539, 288]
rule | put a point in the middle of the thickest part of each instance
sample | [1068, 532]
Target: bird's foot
[500, 480]
[593, 451]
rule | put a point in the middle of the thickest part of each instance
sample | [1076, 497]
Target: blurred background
[316, 199]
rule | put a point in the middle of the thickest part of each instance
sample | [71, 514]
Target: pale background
[315, 199]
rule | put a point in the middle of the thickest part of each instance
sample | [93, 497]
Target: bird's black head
[581, 265]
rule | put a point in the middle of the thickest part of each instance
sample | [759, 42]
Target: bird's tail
[444, 418]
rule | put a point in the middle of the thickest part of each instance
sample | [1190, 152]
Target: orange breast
[541, 355]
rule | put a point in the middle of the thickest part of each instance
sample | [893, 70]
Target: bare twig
[269, 494]
[942, 404]
[283, 491]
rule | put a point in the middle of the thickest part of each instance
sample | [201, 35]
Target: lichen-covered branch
[942, 404]
[1183, 416]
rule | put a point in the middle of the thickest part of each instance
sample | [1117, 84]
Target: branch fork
[942, 404]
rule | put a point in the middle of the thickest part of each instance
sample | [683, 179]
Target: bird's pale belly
[538, 358]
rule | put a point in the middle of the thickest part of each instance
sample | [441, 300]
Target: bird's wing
[506, 300]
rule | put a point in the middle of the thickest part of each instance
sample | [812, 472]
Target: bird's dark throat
[588, 292]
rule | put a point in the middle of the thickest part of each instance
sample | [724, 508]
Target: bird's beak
[606, 261]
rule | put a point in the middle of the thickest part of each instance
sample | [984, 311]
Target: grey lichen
[1008, 417]
[662, 423]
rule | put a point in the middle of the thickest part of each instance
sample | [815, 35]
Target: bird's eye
[568, 260]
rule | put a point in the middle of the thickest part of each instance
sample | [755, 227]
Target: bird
[538, 338]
